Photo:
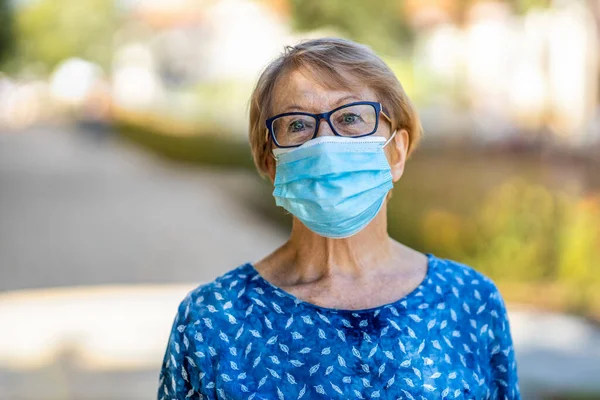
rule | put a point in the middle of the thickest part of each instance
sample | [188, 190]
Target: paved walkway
[80, 207]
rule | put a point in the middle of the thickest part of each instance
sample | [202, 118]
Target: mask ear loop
[267, 142]
[390, 139]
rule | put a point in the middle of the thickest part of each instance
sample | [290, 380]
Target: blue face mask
[334, 185]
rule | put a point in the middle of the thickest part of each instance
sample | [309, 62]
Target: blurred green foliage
[523, 6]
[525, 233]
[6, 31]
[50, 31]
[385, 25]
[380, 24]
[217, 149]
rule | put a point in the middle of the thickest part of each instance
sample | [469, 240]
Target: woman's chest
[361, 358]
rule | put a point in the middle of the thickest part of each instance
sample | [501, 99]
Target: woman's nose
[324, 129]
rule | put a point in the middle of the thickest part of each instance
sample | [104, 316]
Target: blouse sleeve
[505, 383]
[179, 374]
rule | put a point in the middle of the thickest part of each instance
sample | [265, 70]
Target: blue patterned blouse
[240, 337]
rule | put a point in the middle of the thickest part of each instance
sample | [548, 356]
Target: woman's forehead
[298, 90]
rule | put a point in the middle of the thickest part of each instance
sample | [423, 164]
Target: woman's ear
[398, 152]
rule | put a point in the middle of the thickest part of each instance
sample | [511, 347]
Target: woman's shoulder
[218, 296]
[471, 294]
[464, 280]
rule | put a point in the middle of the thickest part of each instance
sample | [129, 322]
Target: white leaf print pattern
[240, 335]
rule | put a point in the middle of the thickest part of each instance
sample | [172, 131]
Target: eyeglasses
[354, 120]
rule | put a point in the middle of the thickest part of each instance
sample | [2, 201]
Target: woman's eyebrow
[339, 102]
[293, 107]
[344, 99]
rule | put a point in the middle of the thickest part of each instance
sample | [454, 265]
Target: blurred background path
[120, 236]
[81, 206]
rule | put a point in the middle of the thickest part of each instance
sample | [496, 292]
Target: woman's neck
[315, 257]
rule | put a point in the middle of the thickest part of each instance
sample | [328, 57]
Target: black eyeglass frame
[326, 116]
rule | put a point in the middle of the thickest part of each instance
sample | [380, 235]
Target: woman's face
[298, 91]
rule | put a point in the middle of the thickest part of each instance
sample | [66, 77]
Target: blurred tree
[50, 31]
[461, 8]
[523, 6]
[6, 31]
[382, 24]
[529, 237]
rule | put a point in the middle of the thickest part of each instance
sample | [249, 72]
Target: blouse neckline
[406, 297]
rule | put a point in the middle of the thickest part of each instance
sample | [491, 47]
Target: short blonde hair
[327, 58]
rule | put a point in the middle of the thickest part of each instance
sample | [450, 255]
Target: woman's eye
[296, 126]
[350, 118]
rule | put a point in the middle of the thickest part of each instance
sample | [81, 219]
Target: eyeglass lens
[355, 120]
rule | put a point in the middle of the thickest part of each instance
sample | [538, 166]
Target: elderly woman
[341, 310]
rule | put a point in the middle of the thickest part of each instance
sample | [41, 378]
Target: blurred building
[195, 59]
[531, 73]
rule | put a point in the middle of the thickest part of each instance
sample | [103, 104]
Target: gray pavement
[80, 207]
